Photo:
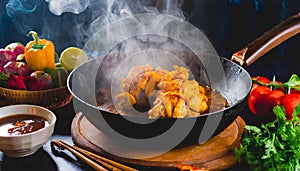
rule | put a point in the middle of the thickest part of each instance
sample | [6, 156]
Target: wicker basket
[51, 99]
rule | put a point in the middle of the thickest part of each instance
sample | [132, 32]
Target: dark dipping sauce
[21, 124]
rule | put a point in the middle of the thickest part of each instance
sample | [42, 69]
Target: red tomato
[289, 102]
[262, 100]
[261, 79]
[293, 91]
[256, 101]
[251, 104]
[254, 86]
[274, 97]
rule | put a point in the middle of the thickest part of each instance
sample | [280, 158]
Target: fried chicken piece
[195, 98]
[171, 85]
[133, 75]
[154, 79]
[180, 110]
[164, 104]
[179, 96]
[180, 73]
[158, 110]
[138, 86]
[175, 95]
[125, 100]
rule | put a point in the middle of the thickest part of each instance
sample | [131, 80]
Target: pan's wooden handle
[278, 34]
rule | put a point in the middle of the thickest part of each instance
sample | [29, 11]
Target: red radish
[19, 68]
[39, 80]
[16, 47]
[6, 55]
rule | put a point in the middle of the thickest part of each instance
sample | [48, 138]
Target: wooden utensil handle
[91, 158]
[272, 38]
[79, 155]
[100, 158]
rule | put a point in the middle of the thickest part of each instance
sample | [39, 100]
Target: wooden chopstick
[100, 158]
[106, 165]
[88, 161]
[84, 154]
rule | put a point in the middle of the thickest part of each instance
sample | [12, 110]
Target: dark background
[229, 24]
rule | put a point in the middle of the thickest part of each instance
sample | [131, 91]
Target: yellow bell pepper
[39, 53]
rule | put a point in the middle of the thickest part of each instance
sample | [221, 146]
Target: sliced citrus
[72, 57]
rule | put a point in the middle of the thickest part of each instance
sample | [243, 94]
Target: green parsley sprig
[272, 146]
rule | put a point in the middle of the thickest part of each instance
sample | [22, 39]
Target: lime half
[72, 57]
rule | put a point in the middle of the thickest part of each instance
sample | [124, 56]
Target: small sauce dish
[25, 128]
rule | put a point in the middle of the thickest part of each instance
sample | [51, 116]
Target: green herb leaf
[272, 146]
[3, 79]
[293, 81]
[3, 76]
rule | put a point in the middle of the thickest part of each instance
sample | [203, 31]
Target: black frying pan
[236, 87]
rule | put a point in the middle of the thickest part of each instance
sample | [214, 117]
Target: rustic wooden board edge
[222, 162]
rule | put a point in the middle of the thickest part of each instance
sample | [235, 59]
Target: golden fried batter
[175, 96]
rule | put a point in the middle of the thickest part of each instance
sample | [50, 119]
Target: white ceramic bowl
[26, 144]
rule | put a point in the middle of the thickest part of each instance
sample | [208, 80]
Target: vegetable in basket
[16, 82]
[39, 80]
[16, 68]
[6, 55]
[39, 53]
[16, 47]
[33, 67]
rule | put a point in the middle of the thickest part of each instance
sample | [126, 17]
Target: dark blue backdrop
[229, 24]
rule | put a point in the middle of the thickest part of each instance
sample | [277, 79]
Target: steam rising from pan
[128, 42]
[99, 27]
[80, 18]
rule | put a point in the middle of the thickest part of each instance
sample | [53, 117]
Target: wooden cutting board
[215, 154]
